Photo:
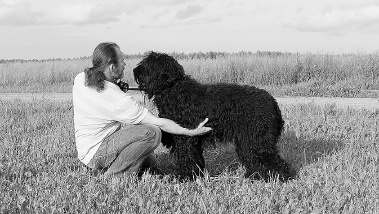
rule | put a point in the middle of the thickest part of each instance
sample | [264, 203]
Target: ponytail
[94, 78]
[103, 55]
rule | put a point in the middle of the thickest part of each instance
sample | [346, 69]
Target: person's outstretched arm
[174, 128]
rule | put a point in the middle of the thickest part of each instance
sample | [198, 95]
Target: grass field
[353, 75]
[334, 152]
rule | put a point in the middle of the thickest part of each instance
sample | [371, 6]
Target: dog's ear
[170, 74]
[173, 71]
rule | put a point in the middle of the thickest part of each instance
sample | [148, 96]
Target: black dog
[248, 116]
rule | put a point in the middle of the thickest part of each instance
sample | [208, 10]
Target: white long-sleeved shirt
[99, 114]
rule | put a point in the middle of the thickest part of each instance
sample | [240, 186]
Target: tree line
[176, 55]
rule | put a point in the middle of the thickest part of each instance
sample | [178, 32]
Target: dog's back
[230, 108]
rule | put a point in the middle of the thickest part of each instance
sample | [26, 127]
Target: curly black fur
[248, 116]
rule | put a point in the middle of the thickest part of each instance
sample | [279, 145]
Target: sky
[45, 29]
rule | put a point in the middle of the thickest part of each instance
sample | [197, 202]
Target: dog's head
[156, 72]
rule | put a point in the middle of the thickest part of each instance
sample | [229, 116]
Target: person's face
[119, 66]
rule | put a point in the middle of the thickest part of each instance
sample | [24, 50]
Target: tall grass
[288, 74]
[334, 152]
[40, 76]
[304, 75]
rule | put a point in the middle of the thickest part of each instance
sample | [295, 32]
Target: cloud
[196, 13]
[105, 13]
[341, 18]
[190, 11]
[148, 6]
[18, 13]
[27, 13]
[143, 13]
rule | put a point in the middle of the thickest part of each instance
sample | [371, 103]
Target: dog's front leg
[190, 160]
[168, 140]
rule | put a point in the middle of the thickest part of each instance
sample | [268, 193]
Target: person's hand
[122, 85]
[201, 129]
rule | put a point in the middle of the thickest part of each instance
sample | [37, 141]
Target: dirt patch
[357, 103]
[48, 96]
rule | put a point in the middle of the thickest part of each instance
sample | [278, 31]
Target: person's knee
[154, 133]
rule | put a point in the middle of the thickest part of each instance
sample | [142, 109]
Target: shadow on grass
[218, 159]
[297, 151]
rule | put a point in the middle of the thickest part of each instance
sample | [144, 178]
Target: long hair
[103, 55]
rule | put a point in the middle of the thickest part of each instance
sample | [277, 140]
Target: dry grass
[291, 75]
[334, 152]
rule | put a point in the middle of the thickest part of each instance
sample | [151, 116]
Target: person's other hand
[122, 85]
[201, 129]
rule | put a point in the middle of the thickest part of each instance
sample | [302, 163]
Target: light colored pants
[129, 149]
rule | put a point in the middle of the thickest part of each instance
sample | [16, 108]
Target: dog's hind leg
[263, 165]
[276, 165]
[190, 160]
[254, 169]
